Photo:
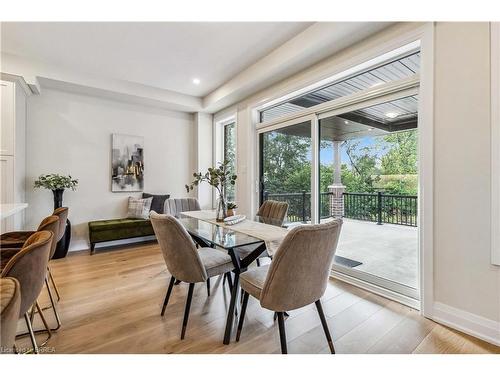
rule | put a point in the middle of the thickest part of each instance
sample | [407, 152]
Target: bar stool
[10, 304]
[29, 267]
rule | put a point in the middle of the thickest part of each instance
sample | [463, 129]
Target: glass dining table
[207, 233]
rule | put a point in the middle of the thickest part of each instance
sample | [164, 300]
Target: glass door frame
[383, 94]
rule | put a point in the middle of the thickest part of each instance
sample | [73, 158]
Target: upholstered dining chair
[184, 261]
[275, 212]
[51, 224]
[10, 304]
[174, 206]
[29, 267]
[296, 277]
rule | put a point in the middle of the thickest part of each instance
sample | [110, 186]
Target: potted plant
[218, 177]
[231, 209]
[58, 183]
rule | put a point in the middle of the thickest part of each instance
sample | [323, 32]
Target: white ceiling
[164, 55]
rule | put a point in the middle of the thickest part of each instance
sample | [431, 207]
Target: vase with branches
[218, 177]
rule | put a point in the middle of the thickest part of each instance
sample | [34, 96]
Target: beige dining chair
[184, 261]
[273, 210]
[297, 276]
[276, 212]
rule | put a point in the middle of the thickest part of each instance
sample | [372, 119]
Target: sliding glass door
[359, 163]
[368, 174]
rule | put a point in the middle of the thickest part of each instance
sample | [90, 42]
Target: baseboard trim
[389, 294]
[474, 325]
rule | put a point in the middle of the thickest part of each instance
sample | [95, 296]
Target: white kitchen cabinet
[12, 150]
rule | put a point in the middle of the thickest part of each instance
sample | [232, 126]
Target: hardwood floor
[111, 303]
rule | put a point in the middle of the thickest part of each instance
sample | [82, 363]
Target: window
[229, 155]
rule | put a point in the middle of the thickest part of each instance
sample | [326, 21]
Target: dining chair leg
[53, 305]
[242, 316]
[319, 307]
[186, 311]
[281, 326]
[32, 334]
[232, 306]
[258, 262]
[54, 284]
[229, 280]
[167, 297]
[208, 287]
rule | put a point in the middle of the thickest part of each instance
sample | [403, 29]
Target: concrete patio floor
[387, 251]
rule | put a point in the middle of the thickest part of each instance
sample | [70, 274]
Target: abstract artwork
[127, 163]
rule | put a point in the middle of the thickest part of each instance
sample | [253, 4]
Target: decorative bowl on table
[231, 220]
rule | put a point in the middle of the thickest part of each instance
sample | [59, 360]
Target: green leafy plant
[231, 206]
[55, 181]
[218, 177]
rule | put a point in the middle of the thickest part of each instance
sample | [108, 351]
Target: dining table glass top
[217, 235]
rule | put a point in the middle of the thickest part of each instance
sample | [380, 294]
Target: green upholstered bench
[118, 229]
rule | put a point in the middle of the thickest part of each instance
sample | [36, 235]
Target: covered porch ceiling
[381, 119]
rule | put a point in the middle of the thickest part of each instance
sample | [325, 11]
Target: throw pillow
[158, 201]
[138, 208]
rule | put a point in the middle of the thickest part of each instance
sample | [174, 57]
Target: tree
[230, 155]
[363, 171]
[285, 162]
[402, 155]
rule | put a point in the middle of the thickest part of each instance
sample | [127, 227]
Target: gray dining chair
[174, 206]
[273, 210]
[184, 261]
[276, 212]
[297, 276]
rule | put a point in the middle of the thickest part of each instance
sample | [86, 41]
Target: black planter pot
[63, 244]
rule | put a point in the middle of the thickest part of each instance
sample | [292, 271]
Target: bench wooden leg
[92, 248]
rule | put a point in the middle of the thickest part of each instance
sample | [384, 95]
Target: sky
[326, 154]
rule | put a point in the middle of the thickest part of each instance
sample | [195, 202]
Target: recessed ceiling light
[377, 84]
[370, 129]
[346, 122]
[196, 81]
[391, 114]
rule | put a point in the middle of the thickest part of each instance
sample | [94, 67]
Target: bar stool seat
[10, 304]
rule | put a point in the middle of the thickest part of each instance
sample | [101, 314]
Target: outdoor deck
[388, 251]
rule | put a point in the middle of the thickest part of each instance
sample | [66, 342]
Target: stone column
[336, 190]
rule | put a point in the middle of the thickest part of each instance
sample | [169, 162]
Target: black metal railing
[378, 207]
[381, 208]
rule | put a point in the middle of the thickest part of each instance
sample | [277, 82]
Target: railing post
[379, 208]
[303, 206]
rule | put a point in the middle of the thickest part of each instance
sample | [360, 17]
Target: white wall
[203, 124]
[464, 278]
[71, 134]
